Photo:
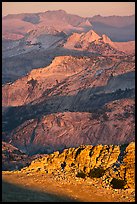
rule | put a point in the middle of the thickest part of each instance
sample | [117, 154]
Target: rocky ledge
[112, 166]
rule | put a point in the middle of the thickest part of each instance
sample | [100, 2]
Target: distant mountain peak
[56, 11]
[62, 11]
[106, 39]
[85, 24]
[59, 10]
[92, 35]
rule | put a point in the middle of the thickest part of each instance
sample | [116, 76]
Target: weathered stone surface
[112, 164]
[128, 167]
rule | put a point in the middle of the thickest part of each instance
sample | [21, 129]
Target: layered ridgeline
[117, 27]
[83, 94]
[108, 165]
[33, 40]
[73, 101]
[39, 47]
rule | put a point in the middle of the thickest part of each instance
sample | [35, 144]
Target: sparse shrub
[32, 82]
[38, 169]
[97, 113]
[119, 117]
[63, 165]
[78, 151]
[78, 45]
[72, 164]
[126, 114]
[81, 174]
[11, 157]
[133, 110]
[96, 172]
[118, 183]
[95, 116]
[105, 117]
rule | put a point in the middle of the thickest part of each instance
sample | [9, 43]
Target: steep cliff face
[113, 165]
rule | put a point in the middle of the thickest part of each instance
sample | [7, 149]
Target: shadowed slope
[16, 193]
[86, 100]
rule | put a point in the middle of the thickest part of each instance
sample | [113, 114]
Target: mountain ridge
[69, 85]
[73, 20]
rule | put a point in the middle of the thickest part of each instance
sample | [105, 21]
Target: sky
[84, 9]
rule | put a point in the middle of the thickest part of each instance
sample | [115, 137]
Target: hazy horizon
[84, 9]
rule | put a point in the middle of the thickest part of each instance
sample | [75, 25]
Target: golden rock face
[113, 164]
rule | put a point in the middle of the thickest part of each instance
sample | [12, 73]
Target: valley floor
[41, 187]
